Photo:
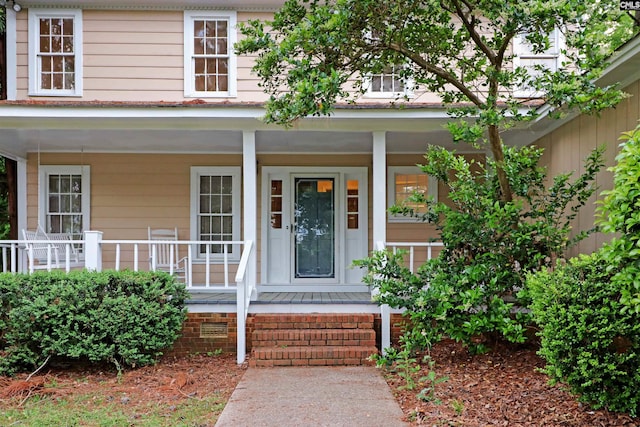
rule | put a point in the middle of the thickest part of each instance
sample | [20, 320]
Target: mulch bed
[502, 388]
[169, 382]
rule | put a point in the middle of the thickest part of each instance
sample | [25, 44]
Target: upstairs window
[524, 56]
[55, 52]
[403, 182]
[210, 65]
[387, 84]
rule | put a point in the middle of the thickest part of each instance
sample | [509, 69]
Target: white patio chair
[165, 256]
[40, 256]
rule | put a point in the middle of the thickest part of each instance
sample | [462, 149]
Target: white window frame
[43, 192]
[35, 65]
[189, 71]
[236, 190]
[521, 50]
[432, 189]
[370, 93]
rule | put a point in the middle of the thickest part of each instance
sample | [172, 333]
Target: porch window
[404, 181]
[210, 65]
[55, 52]
[535, 62]
[215, 206]
[64, 198]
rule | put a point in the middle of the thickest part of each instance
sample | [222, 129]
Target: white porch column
[93, 250]
[21, 184]
[250, 200]
[12, 54]
[250, 232]
[380, 217]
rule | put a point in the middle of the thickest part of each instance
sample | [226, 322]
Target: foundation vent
[214, 330]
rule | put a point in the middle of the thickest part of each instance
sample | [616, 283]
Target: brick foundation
[191, 342]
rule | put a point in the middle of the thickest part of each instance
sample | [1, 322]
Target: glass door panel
[314, 232]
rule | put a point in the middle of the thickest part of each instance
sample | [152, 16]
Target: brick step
[311, 356]
[313, 337]
[313, 321]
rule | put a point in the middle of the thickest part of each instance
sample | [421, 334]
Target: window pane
[199, 65]
[58, 81]
[67, 25]
[67, 44]
[221, 46]
[56, 44]
[45, 26]
[276, 187]
[216, 185]
[227, 204]
[205, 204]
[54, 183]
[227, 225]
[223, 84]
[57, 64]
[45, 81]
[226, 185]
[198, 46]
[44, 45]
[211, 29]
[54, 203]
[222, 28]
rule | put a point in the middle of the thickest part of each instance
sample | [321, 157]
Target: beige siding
[567, 147]
[138, 56]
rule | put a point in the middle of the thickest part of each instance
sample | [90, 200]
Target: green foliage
[588, 340]
[403, 361]
[311, 48]
[120, 317]
[474, 291]
[620, 213]
[311, 52]
[589, 310]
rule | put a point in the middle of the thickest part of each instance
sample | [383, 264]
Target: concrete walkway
[312, 396]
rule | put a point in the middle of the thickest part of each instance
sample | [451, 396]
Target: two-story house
[123, 116]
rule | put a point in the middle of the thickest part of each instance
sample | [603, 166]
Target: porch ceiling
[192, 130]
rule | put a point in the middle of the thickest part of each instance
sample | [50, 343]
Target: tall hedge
[126, 318]
[589, 310]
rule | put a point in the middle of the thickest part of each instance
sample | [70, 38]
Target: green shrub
[589, 310]
[620, 213]
[474, 291]
[126, 318]
[588, 341]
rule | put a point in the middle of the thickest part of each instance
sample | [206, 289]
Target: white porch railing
[419, 253]
[244, 288]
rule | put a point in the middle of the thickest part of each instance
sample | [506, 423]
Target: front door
[314, 228]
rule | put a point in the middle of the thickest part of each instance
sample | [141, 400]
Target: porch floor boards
[283, 298]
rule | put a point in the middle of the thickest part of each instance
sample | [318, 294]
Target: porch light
[15, 6]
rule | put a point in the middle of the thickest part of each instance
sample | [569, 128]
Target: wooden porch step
[316, 339]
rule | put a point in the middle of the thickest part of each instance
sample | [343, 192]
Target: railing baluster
[207, 265]
[189, 278]
[225, 255]
[117, 266]
[135, 257]
[411, 253]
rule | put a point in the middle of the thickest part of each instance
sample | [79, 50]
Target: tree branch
[471, 28]
[438, 72]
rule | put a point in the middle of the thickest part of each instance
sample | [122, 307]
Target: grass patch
[109, 411]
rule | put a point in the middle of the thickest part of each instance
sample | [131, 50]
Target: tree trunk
[498, 155]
